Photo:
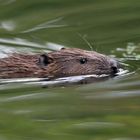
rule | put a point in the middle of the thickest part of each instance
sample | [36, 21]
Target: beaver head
[72, 61]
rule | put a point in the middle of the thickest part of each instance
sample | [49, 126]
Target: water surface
[105, 110]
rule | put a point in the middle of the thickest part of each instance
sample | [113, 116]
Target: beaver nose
[114, 66]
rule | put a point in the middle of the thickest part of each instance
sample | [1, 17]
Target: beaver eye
[83, 60]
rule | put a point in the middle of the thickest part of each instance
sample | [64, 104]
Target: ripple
[5, 50]
[131, 52]
[29, 96]
[98, 125]
[21, 42]
[46, 25]
[45, 82]
[8, 25]
[115, 95]
[7, 2]
[24, 43]
[125, 138]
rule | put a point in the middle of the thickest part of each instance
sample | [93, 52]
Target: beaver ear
[62, 48]
[45, 59]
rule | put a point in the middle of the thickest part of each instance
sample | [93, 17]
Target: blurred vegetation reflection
[107, 110]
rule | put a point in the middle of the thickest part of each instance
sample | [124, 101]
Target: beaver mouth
[114, 70]
[110, 71]
[114, 66]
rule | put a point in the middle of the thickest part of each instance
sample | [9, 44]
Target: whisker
[86, 41]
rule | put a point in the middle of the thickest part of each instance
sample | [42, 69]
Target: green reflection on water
[75, 112]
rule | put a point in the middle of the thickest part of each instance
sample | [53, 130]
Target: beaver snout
[115, 66]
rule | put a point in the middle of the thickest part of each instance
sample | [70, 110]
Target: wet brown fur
[66, 62]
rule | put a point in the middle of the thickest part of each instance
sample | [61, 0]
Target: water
[103, 110]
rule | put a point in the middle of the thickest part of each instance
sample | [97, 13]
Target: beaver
[62, 63]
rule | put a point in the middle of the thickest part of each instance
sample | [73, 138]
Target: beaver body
[65, 62]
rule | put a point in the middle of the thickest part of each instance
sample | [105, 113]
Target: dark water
[107, 110]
